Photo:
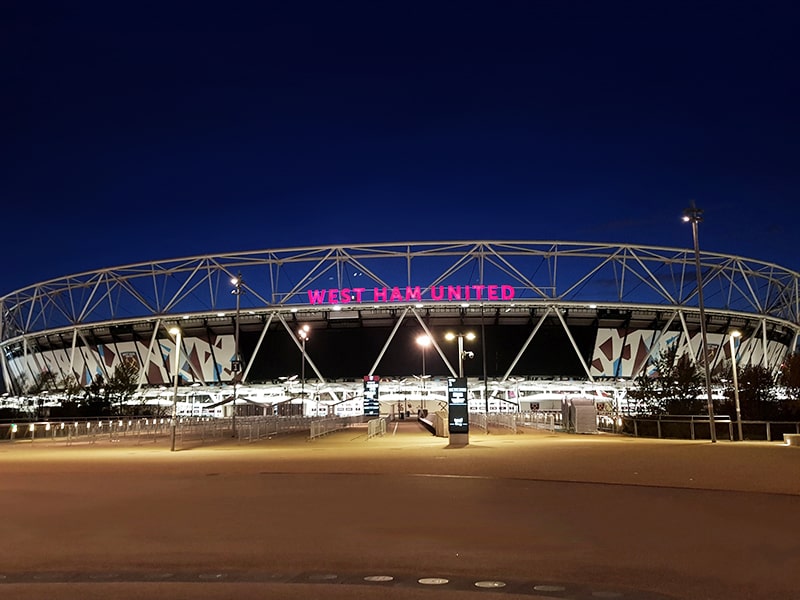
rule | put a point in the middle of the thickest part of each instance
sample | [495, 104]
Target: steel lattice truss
[541, 272]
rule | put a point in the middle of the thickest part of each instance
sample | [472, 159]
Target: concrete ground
[404, 516]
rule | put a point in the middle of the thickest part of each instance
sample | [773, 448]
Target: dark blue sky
[145, 131]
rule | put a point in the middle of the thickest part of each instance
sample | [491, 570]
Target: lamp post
[176, 368]
[236, 363]
[461, 354]
[694, 215]
[424, 341]
[736, 334]
[458, 396]
[303, 335]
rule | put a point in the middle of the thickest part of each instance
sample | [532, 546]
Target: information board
[372, 405]
[458, 413]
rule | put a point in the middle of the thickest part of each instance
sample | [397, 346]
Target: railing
[376, 427]
[251, 429]
[202, 429]
[478, 420]
[322, 427]
[694, 427]
[91, 430]
[539, 420]
[505, 420]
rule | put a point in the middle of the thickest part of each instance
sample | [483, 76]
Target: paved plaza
[403, 516]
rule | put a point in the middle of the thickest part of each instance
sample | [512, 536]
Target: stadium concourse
[406, 515]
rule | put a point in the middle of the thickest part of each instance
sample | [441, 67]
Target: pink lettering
[316, 296]
[413, 294]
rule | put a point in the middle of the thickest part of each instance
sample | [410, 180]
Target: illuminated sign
[372, 405]
[437, 293]
[457, 408]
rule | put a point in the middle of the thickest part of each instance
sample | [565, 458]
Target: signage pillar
[372, 405]
[457, 410]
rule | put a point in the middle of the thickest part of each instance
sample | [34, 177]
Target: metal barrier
[539, 420]
[677, 426]
[251, 429]
[478, 420]
[322, 427]
[376, 427]
[505, 420]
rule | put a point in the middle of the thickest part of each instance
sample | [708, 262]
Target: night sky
[145, 131]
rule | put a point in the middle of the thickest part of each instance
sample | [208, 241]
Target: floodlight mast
[424, 341]
[303, 334]
[236, 364]
[732, 335]
[694, 215]
[175, 370]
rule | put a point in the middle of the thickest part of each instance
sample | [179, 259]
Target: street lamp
[424, 341]
[736, 334]
[176, 368]
[694, 215]
[461, 354]
[303, 335]
[236, 363]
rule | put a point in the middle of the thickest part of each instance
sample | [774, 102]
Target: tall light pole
[736, 334]
[694, 215]
[303, 335]
[458, 394]
[236, 363]
[461, 354]
[424, 341]
[175, 369]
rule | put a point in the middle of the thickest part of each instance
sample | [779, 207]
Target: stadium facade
[591, 313]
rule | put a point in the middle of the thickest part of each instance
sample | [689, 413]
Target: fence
[376, 427]
[322, 427]
[141, 430]
[88, 430]
[539, 420]
[251, 429]
[694, 427]
[505, 420]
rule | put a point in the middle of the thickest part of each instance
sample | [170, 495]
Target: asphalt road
[404, 516]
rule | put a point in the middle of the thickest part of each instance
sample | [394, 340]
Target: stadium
[303, 330]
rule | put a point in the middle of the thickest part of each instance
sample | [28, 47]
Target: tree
[71, 387]
[45, 381]
[96, 397]
[647, 394]
[789, 376]
[123, 382]
[757, 393]
[684, 387]
[674, 386]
